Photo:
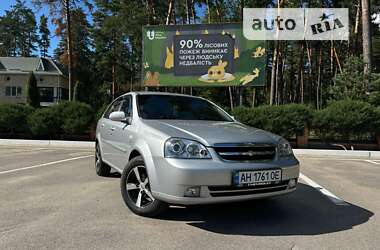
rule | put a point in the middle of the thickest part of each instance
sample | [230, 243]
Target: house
[14, 75]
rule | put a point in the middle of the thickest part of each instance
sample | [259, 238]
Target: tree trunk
[309, 87]
[355, 45]
[170, 12]
[300, 73]
[253, 97]
[187, 11]
[242, 4]
[69, 47]
[319, 78]
[367, 47]
[231, 98]
[218, 10]
[273, 75]
[208, 11]
[193, 14]
[338, 61]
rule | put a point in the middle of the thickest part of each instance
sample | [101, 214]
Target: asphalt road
[52, 199]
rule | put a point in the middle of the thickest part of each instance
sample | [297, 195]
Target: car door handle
[102, 125]
[113, 129]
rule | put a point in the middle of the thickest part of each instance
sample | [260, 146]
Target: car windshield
[178, 108]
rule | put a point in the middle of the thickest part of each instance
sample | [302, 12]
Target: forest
[100, 47]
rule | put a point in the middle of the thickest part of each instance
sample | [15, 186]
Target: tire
[137, 196]
[101, 168]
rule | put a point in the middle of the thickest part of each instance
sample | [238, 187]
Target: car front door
[106, 132]
[121, 135]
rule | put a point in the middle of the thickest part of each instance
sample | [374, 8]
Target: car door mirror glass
[118, 116]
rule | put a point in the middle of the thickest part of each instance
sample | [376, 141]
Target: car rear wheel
[101, 168]
[136, 192]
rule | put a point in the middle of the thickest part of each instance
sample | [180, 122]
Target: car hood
[212, 132]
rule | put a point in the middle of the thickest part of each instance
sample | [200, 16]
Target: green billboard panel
[201, 55]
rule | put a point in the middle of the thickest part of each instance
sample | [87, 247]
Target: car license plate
[258, 177]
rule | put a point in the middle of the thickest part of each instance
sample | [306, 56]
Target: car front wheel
[136, 192]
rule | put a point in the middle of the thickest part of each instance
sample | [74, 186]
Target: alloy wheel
[138, 187]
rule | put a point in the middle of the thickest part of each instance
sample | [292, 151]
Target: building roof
[28, 64]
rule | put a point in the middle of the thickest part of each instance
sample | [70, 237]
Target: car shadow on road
[304, 212]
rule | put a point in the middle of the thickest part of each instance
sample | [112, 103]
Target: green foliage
[350, 83]
[13, 118]
[286, 120]
[100, 112]
[374, 90]
[45, 122]
[44, 41]
[75, 117]
[67, 118]
[345, 119]
[33, 94]
[18, 31]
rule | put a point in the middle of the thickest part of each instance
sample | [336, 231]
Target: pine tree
[33, 94]
[44, 41]
[18, 33]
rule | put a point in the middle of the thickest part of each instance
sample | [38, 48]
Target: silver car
[184, 150]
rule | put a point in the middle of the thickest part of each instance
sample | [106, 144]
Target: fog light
[192, 192]
[292, 183]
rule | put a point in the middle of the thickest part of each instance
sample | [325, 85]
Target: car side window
[114, 107]
[127, 106]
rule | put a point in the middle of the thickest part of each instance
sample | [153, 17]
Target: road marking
[23, 152]
[336, 200]
[44, 164]
[373, 162]
[332, 158]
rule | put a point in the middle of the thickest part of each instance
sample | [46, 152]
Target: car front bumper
[214, 178]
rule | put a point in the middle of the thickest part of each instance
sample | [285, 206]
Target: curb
[341, 153]
[47, 143]
[91, 144]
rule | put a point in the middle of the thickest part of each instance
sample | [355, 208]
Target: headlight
[284, 148]
[185, 149]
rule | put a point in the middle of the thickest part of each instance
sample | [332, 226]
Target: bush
[75, 117]
[69, 118]
[286, 120]
[345, 119]
[45, 122]
[100, 112]
[13, 118]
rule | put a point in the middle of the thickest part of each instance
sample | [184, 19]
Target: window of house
[13, 91]
[46, 94]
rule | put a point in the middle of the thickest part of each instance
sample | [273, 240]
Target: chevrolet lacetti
[185, 150]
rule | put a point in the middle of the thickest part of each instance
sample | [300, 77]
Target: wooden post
[253, 97]
[303, 140]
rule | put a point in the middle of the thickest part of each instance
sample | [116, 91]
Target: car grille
[244, 152]
[221, 191]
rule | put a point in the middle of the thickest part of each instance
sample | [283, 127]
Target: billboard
[201, 55]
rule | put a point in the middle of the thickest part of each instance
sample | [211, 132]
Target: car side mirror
[117, 116]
